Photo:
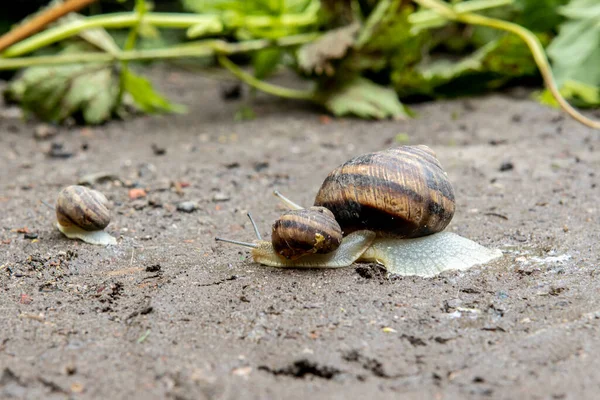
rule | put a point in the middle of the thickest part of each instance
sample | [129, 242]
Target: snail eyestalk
[287, 201]
[50, 206]
[245, 244]
[254, 226]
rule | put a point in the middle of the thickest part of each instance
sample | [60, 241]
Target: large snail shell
[82, 207]
[402, 191]
[306, 231]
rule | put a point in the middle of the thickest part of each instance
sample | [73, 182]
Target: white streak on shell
[429, 255]
[100, 238]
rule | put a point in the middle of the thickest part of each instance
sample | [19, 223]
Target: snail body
[83, 213]
[392, 207]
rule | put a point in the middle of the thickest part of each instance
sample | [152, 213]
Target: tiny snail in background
[392, 207]
[83, 213]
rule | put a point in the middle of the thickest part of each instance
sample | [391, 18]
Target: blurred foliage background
[367, 58]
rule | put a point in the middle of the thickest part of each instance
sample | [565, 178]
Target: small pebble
[30, 235]
[136, 193]
[44, 131]
[153, 268]
[259, 166]
[506, 166]
[220, 197]
[187, 206]
[57, 150]
[158, 151]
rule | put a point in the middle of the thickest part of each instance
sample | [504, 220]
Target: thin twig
[40, 21]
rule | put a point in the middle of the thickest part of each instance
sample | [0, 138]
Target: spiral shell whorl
[306, 231]
[82, 207]
[402, 192]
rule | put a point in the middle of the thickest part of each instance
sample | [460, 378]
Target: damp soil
[170, 313]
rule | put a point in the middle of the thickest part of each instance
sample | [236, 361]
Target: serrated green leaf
[363, 98]
[575, 52]
[146, 97]
[56, 93]
[489, 67]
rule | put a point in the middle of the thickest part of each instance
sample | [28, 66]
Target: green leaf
[56, 93]
[579, 93]
[575, 52]
[266, 61]
[363, 98]
[539, 15]
[145, 97]
[489, 67]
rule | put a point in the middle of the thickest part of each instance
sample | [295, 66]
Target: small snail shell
[392, 207]
[308, 231]
[83, 213]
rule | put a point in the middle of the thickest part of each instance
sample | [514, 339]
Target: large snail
[83, 213]
[392, 207]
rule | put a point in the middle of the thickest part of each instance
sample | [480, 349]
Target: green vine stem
[528, 37]
[161, 20]
[265, 86]
[201, 48]
[424, 19]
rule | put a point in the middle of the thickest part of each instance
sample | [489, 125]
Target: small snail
[311, 230]
[83, 213]
[392, 207]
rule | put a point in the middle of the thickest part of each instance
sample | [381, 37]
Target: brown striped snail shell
[312, 230]
[83, 213]
[401, 192]
[82, 207]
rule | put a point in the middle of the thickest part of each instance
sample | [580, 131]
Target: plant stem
[140, 9]
[528, 37]
[381, 10]
[430, 18]
[202, 48]
[264, 86]
[163, 20]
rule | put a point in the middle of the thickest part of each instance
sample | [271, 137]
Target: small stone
[187, 206]
[153, 268]
[220, 197]
[44, 131]
[57, 150]
[30, 235]
[260, 166]
[506, 166]
[136, 193]
[158, 150]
